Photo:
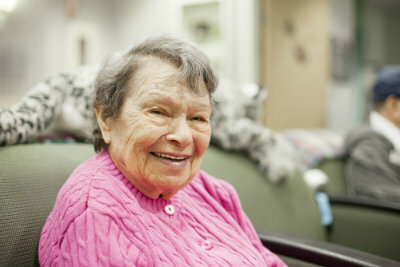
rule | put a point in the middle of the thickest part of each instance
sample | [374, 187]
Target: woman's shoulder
[88, 181]
[205, 179]
[81, 178]
[219, 189]
[365, 136]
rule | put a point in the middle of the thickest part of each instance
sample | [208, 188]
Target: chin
[172, 183]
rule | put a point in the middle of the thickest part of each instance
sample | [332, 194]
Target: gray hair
[118, 71]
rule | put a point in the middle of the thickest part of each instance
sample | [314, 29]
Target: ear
[105, 126]
[392, 109]
[390, 103]
[396, 107]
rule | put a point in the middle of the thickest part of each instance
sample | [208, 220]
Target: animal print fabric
[60, 104]
[63, 104]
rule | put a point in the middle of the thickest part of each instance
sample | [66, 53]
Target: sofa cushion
[31, 176]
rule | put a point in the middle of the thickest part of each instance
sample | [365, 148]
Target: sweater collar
[153, 204]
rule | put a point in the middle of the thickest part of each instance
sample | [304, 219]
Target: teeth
[168, 156]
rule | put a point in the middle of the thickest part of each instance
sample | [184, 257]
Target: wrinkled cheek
[202, 144]
[126, 156]
[201, 147]
[138, 161]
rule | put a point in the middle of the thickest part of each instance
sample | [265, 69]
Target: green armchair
[31, 175]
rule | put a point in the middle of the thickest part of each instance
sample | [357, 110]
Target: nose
[179, 132]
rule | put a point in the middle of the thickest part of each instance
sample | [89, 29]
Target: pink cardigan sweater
[100, 219]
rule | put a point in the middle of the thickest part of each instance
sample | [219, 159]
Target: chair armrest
[366, 224]
[365, 202]
[320, 252]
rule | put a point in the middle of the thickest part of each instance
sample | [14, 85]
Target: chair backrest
[366, 224]
[334, 169]
[287, 207]
[31, 176]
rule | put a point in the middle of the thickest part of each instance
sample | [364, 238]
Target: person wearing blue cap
[373, 163]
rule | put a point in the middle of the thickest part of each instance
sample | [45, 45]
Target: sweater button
[169, 209]
[207, 244]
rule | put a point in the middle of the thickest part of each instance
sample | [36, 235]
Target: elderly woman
[143, 200]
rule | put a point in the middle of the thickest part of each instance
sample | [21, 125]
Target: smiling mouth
[169, 157]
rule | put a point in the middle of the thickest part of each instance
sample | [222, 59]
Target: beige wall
[295, 55]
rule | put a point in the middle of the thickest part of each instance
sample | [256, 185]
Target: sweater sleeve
[229, 198]
[96, 239]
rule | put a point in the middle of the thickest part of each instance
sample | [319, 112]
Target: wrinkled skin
[160, 119]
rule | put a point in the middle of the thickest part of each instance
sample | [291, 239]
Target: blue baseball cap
[387, 83]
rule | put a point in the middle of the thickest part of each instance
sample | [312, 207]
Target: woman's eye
[200, 119]
[157, 112]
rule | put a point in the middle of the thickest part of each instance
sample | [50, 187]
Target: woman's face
[159, 139]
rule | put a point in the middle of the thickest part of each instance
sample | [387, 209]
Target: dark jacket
[369, 169]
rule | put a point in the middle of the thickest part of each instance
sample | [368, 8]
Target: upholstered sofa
[285, 214]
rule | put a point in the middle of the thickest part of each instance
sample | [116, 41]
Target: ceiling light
[7, 5]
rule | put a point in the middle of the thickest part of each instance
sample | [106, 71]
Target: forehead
[157, 78]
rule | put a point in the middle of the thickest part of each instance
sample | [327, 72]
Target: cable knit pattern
[100, 219]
